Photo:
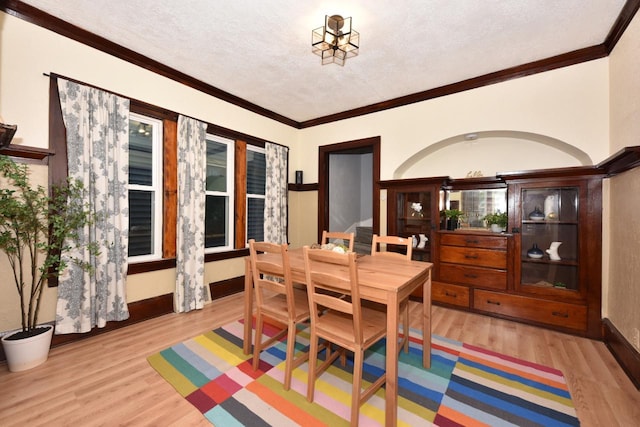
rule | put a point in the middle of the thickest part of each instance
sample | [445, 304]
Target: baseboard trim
[626, 355]
[138, 312]
[147, 309]
[226, 287]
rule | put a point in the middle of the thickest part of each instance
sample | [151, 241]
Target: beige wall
[622, 299]
[570, 105]
[28, 51]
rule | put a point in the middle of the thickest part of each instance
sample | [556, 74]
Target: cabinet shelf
[571, 263]
[548, 222]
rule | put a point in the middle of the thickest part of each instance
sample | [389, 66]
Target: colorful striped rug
[466, 385]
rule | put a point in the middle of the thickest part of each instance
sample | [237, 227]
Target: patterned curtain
[97, 126]
[275, 204]
[191, 292]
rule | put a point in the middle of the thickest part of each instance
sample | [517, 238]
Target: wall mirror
[475, 204]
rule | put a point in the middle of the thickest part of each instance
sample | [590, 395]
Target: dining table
[381, 279]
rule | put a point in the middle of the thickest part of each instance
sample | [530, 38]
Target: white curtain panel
[191, 292]
[97, 125]
[276, 191]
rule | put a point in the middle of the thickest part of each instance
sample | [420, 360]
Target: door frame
[365, 145]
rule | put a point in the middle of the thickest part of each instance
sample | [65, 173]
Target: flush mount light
[335, 41]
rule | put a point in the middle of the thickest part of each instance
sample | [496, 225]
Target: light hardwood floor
[106, 380]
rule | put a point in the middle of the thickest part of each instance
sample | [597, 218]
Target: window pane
[140, 222]
[216, 220]
[140, 152]
[216, 166]
[255, 219]
[256, 172]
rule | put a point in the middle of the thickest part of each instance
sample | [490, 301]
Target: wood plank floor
[106, 380]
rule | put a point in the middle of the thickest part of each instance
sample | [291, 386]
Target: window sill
[164, 264]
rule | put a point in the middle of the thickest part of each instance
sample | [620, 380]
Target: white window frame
[229, 194]
[156, 188]
[251, 195]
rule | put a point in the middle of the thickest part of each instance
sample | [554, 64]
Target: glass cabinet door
[549, 248]
[414, 220]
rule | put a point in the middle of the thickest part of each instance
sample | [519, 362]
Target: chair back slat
[272, 274]
[398, 241]
[348, 239]
[331, 276]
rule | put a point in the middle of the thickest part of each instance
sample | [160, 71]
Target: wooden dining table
[383, 280]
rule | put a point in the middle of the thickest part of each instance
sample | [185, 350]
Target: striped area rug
[466, 385]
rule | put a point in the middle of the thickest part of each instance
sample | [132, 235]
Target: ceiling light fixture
[335, 41]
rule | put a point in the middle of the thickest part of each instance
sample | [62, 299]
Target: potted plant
[497, 221]
[453, 217]
[36, 227]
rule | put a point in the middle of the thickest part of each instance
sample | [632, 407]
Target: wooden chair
[343, 322]
[407, 243]
[276, 298]
[329, 236]
[391, 240]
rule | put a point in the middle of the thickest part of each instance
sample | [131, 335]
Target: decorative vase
[535, 252]
[414, 240]
[423, 241]
[550, 207]
[536, 214]
[553, 251]
[496, 228]
[452, 223]
[27, 353]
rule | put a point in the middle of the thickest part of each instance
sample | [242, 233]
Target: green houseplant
[36, 227]
[452, 217]
[498, 218]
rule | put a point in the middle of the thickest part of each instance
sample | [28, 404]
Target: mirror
[476, 204]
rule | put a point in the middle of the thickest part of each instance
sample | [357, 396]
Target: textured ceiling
[260, 50]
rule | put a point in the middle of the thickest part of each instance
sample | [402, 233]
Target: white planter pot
[496, 228]
[29, 352]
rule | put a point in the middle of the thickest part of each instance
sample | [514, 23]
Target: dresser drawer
[474, 241]
[450, 294]
[474, 276]
[538, 310]
[473, 256]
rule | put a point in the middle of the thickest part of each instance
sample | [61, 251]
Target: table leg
[391, 397]
[426, 322]
[248, 306]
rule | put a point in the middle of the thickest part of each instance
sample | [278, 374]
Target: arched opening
[489, 152]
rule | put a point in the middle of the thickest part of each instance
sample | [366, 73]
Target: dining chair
[277, 299]
[343, 322]
[330, 236]
[376, 250]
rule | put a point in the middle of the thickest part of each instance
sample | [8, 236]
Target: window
[145, 188]
[219, 216]
[256, 179]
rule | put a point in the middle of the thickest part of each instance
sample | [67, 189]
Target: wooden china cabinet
[561, 288]
[500, 274]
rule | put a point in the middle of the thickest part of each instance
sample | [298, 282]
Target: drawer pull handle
[471, 256]
[471, 276]
[493, 302]
[558, 314]
[447, 293]
[471, 241]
